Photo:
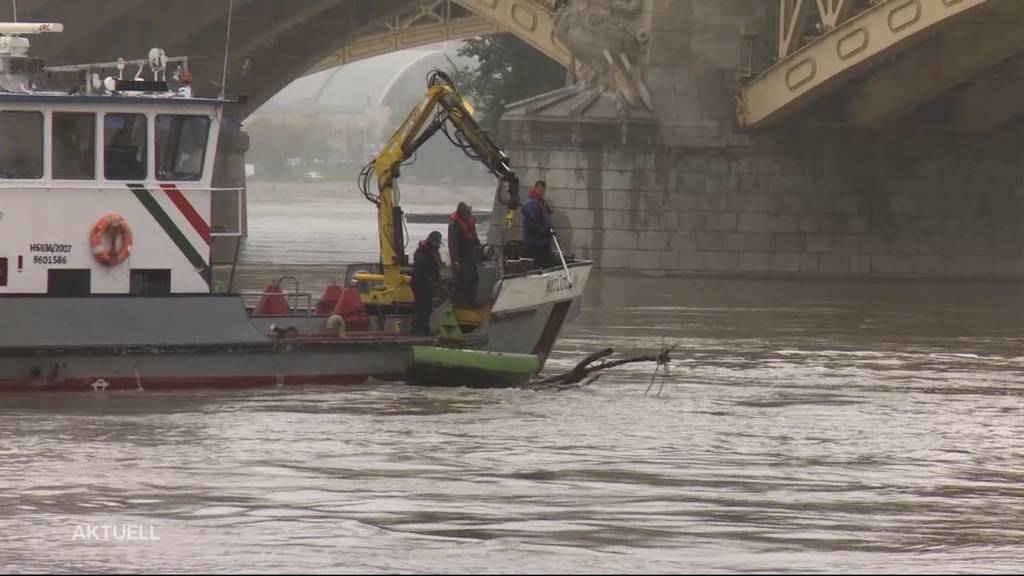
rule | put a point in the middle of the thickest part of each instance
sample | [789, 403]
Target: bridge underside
[273, 42]
[862, 63]
[872, 64]
[431, 21]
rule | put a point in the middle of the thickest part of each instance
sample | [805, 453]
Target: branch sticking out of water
[587, 371]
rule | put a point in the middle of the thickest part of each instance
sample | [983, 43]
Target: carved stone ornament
[607, 40]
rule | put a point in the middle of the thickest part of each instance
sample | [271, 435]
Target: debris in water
[586, 371]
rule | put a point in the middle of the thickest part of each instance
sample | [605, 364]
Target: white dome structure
[397, 79]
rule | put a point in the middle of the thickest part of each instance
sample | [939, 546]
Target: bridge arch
[274, 42]
[301, 41]
[433, 21]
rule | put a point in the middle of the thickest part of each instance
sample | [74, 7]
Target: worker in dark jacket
[537, 230]
[464, 249]
[426, 280]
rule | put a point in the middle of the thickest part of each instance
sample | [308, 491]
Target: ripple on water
[856, 433]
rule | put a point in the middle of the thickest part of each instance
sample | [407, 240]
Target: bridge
[890, 58]
[425, 23]
[274, 41]
[887, 58]
[829, 137]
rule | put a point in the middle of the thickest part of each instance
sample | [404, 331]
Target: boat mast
[227, 45]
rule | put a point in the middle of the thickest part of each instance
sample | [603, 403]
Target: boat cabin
[106, 192]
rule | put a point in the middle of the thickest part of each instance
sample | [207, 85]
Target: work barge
[106, 280]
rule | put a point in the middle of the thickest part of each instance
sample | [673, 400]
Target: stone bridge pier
[650, 170]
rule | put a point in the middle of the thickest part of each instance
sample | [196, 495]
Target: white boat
[105, 252]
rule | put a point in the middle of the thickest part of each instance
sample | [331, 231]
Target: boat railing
[123, 69]
[121, 64]
[228, 233]
[234, 230]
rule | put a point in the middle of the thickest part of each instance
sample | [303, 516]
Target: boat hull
[196, 341]
[342, 361]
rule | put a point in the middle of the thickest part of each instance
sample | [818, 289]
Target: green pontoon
[437, 366]
[450, 364]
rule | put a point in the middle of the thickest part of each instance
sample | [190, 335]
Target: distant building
[337, 119]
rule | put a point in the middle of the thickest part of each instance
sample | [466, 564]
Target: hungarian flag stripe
[170, 228]
[188, 211]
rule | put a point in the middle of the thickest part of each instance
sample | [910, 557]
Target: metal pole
[211, 276]
[227, 44]
[234, 263]
[562, 258]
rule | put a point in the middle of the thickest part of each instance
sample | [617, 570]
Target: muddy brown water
[807, 426]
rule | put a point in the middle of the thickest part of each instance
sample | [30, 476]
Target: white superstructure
[141, 151]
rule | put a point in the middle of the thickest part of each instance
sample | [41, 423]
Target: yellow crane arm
[442, 109]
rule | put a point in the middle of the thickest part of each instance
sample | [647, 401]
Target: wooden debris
[587, 371]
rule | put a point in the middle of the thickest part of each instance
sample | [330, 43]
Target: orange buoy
[272, 302]
[350, 308]
[329, 299]
[114, 227]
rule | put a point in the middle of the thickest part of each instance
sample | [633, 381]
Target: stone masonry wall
[909, 203]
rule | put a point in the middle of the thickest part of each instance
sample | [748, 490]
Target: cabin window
[21, 145]
[181, 146]
[64, 282]
[3, 271]
[150, 283]
[124, 154]
[74, 146]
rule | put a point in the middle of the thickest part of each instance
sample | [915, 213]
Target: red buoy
[329, 300]
[350, 308]
[272, 303]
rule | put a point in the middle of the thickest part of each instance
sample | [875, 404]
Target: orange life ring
[111, 226]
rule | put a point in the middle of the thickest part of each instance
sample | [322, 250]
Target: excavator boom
[443, 110]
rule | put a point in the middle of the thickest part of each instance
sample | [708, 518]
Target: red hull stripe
[189, 211]
[186, 382]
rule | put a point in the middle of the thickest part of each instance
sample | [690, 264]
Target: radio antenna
[227, 44]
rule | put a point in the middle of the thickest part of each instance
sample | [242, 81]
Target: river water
[806, 426]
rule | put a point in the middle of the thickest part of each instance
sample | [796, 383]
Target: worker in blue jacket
[537, 230]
